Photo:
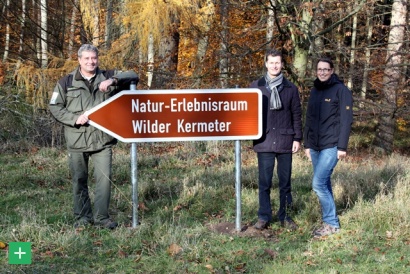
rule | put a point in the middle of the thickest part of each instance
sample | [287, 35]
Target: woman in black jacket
[329, 118]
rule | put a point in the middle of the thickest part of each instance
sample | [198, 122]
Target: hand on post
[104, 85]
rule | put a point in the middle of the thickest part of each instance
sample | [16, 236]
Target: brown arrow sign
[177, 115]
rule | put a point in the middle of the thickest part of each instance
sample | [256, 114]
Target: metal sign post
[238, 187]
[134, 177]
[134, 181]
[238, 184]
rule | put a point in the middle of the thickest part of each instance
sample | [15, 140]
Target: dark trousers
[78, 162]
[266, 165]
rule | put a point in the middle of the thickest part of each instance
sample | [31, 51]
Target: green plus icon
[19, 253]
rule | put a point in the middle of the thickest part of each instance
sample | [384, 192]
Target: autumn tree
[209, 44]
[392, 76]
[155, 23]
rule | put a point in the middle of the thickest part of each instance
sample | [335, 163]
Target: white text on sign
[147, 126]
[188, 106]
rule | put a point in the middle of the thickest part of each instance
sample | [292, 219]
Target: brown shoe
[289, 224]
[261, 224]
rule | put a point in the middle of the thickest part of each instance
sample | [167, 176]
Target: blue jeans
[324, 161]
[266, 164]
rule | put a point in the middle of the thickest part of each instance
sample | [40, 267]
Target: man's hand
[106, 83]
[82, 120]
[341, 154]
[295, 146]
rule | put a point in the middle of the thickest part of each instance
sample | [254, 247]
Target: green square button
[19, 253]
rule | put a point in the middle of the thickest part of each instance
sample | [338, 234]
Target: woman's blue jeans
[324, 161]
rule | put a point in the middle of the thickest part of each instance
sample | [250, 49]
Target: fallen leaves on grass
[2, 245]
[240, 268]
[307, 253]
[177, 207]
[311, 263]
[122, 254]
[98, 243]
[273, 254]
[174, 249]
[210, 267]
[142, 206]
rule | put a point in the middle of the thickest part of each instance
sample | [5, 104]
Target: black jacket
[280, 127]
[329, 115]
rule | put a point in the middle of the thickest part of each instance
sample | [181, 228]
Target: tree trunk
[369, 28]
[223, 59]
[270, 24]
[7, 36]
[339, 38]
[108, 25]
[150, 70]
[391, 79]
[36, 22]
[352, 50]
[44, 40]
[300, 61]
[406, 48]
[300, 36]
[72, 29]
[203, 40]
[168, 54]
[22, 24]
[317, 47]
[319, 25]
[96, 24]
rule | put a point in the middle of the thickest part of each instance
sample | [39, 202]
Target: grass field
[184, 190]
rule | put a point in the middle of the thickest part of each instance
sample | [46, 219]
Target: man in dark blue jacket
[282, 133]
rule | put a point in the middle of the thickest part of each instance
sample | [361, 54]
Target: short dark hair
[273, 53]
[326, 60]
[87, 47]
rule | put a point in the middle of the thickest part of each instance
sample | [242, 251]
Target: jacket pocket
[74, 100]
[75, 138]
[286, 138]
[287, 131]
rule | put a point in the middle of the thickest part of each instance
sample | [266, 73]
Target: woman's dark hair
[326, 60]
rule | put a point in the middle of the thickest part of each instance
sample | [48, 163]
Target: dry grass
[186, 188]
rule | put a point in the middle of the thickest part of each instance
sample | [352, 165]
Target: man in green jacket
[79, 91]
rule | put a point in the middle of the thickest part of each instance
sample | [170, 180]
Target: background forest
[175, 44]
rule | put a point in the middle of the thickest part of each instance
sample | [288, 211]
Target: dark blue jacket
[329, 115]
[280, 127]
